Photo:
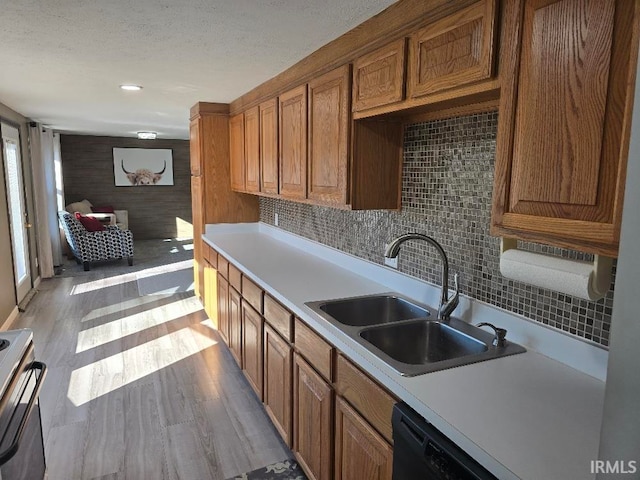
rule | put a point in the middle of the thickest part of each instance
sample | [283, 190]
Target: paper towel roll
[572, 277]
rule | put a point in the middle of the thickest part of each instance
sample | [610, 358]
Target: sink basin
[407, 336]
[420, 343]
[372, 310]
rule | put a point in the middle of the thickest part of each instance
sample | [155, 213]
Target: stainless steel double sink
[408, 336]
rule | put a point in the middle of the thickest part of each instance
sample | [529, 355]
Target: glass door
[17, 210]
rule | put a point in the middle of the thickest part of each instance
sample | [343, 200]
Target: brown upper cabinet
[293, 143]
[328, 154]
[252, 149]
[236, 152]
[563, 129]
[325, 157]
[269, 146]
[378, 77]
[454, 51]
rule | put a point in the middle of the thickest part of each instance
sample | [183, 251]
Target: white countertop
[522, 417]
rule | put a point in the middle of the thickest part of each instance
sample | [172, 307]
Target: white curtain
[43, 154]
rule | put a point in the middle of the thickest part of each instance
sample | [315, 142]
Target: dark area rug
[285, 470]
[146, 254]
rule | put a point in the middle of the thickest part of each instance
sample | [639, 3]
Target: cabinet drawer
[210, 255]
[252, 294]
[278, 317]
[366, 396]
[314, 348]
[235, 278]
[223, 267]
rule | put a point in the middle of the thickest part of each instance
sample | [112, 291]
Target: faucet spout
[446, 306]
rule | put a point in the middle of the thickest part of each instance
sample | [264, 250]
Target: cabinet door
[223, 308]
[454, 51]
[293, 143]
[252, 347]
[378, 77]
[329, 115]
[563, 128]
[236, 152]
[277, 382]
[235, 325]
[312, 421]
[361, 453]
[269, 146]
[211, 292]
[195, 147]
[252, 149]
[197, 212]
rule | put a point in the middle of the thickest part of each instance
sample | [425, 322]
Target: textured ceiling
[61, 61]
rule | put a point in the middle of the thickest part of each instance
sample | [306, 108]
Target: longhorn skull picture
[143, 167]
[143, 176]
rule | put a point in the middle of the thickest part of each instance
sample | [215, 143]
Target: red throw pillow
[105, 209]
[91, 224]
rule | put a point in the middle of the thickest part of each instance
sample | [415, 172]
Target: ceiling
[62, 61]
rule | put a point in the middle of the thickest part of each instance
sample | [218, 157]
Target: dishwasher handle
[11, 450]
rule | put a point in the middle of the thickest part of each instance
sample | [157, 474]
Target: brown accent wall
[154, 211]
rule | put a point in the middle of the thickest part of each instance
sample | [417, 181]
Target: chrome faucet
[447, 306]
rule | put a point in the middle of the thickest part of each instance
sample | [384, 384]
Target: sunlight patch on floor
[185, 247]
[129, 277]
[121, 306]
[171, 267]
[103, 283]
[106, 375]
[130, 324]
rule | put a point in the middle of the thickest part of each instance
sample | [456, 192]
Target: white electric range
[21, 378]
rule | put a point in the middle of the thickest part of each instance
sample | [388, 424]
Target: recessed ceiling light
[131, 87]
[147, 135]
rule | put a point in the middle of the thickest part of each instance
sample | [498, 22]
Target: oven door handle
[11, 450]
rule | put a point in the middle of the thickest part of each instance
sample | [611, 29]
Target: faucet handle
[499, 340]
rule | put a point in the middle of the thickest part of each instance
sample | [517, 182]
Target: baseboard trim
[10, 319]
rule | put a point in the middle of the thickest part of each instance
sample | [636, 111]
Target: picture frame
[138, 167]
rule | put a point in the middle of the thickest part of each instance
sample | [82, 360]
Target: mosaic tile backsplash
[447, 182]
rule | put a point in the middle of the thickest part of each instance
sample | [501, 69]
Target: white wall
[620, 435]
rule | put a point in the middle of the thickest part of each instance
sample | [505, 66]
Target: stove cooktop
[13, 345]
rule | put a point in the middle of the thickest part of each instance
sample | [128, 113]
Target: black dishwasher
[420, 451]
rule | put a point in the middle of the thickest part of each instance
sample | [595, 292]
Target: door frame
[21, 289]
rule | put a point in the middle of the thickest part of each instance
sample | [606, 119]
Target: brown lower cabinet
[312, 421]
[252, 347]
[334, 416]
[361, 452]
[210, 299]
[277, 381]
[235, 325]
[223, 308]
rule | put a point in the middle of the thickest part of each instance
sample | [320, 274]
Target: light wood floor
[141, 387]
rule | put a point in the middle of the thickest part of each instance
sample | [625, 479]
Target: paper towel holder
[600, 278]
